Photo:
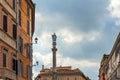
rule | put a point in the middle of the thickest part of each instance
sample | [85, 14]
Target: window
[5, 51]
[6, 0]
[20, 44]
[19, 17]
[75, 78]
[28, 10]
[20, 70]
[29, 71]
[117, 50]
[15, 65]
[5, 23]
[28, 28]
[4, 60]
[6, 79]
[29, 51]
[19, 1]
[14, 4]
[14, 31]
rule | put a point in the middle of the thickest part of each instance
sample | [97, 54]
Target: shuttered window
[20, 44]
[29, 52]
[5, 23]
[20, 67]
[29, 72]
[14, 4]
[4, 60]
[15, 65]
[19, 17]
[5, 51]
[28, 28]
[28, 10]
[14, 31]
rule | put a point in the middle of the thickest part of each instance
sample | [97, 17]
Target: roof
[66, 70]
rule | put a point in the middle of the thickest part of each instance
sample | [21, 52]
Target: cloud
[77, 15]
[83, 34]
[114, 8]
[44, 40]
[67, 36]
[50, 22]
[46, 59]
[79, 63]
[71, 37]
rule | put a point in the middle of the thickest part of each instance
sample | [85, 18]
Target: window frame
[20, 44]
[28, 51]
[19, 17]
[15, 31]
[5, 51]
[14, 4]
[28, 27]
[4, 60]
[20, 66]
[5, 22]
[29, 72]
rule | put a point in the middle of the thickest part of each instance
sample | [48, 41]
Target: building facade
[110, 64]
[103, 67]
[62, 73]
[16, 31]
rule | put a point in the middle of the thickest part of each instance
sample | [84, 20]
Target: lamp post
[54, 49]
[29, 50]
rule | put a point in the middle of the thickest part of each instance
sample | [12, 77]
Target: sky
[85, 29]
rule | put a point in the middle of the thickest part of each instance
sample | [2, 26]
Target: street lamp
[37, 63]
[36, 40]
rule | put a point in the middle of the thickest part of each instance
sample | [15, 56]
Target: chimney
[42, 67]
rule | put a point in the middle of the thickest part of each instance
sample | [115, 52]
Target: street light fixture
[36, 40]
[37, 63]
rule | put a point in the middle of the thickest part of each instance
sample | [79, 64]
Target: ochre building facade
[16, 32]
[63, 73]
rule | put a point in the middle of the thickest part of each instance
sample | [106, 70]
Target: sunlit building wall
[16, 32]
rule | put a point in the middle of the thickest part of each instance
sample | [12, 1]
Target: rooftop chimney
[42, 67]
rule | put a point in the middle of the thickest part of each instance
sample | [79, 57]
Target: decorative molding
[4, 72]
[8, 8]
[4, 37]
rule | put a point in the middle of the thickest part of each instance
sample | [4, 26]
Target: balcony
[7, 39]
[8, 8]
[6, 73]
